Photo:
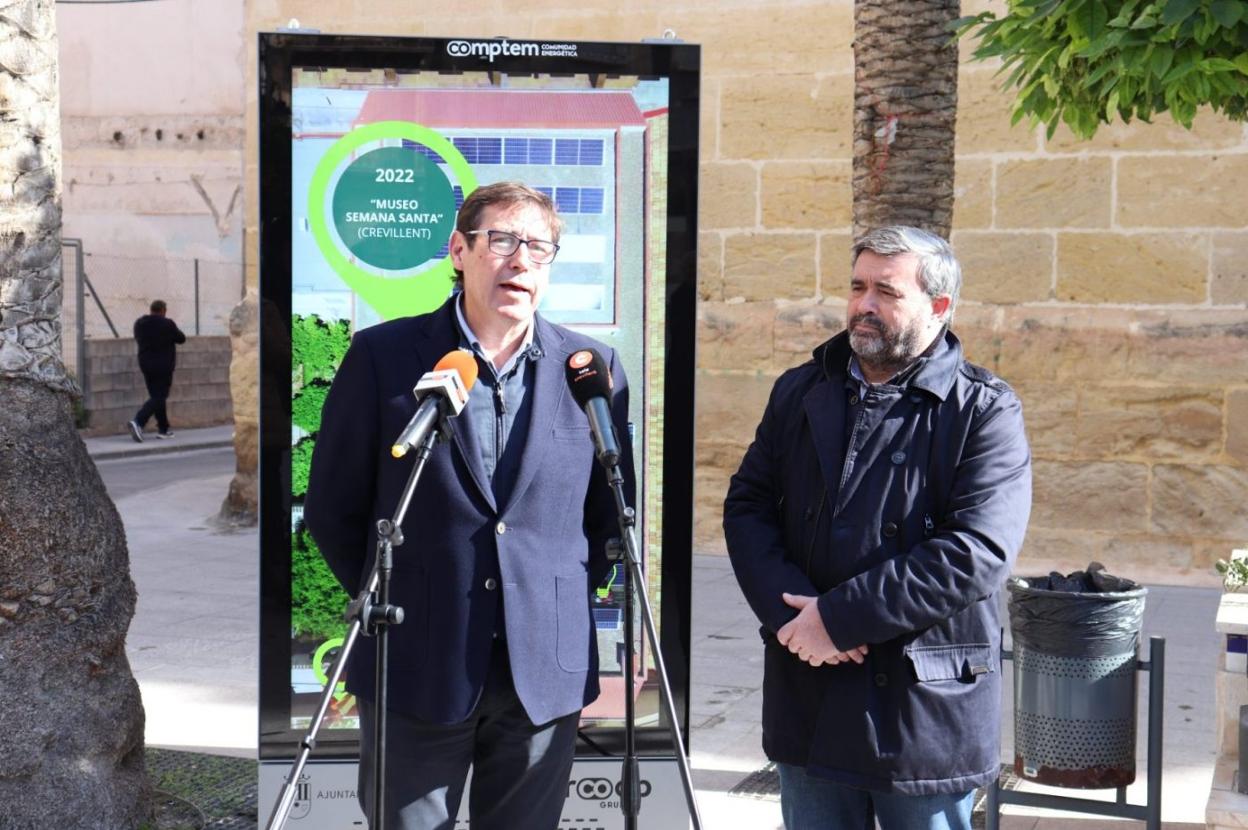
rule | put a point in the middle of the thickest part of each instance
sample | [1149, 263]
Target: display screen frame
[281, 54]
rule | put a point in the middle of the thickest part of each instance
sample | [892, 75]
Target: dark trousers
[520, 770]
[158, 384]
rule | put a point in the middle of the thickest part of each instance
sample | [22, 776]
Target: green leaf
[1100, 72]
[1241, 63]
[1163, 57]
[1217, 65]
[1095, 17]
[1177, 11]
[1227, 12]
[1144, 21]
[1111, 106]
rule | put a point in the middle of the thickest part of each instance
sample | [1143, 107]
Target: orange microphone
[441, 394]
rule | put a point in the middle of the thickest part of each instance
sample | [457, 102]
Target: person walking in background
[871, 526]
[157, 337]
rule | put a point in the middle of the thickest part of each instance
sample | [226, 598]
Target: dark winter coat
[157, 337]
[903, 513]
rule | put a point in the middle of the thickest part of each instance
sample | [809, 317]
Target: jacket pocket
[953, 662]
[572, 615]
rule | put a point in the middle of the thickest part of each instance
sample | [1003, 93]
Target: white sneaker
[136, 431]
[166, 434]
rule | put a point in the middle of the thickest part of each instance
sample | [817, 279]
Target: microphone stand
[371, 612]
[630, 797]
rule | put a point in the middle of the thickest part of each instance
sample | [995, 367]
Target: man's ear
[456, 248]
[940, 307]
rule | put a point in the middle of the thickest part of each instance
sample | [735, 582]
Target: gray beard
[888, 352]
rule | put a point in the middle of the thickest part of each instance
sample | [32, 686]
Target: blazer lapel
[441, 335]
[549, 385]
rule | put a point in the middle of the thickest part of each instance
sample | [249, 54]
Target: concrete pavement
[194, 640]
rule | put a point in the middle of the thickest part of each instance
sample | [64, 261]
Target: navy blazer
[544, 549]
[907, 542]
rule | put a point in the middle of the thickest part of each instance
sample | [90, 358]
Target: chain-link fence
[105, 293]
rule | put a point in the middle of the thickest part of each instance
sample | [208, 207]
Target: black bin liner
[1076, 639]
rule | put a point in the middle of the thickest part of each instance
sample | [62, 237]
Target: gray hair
[939, 272]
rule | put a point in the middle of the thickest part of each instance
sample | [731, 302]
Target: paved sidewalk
[193, 647]
[123, 445]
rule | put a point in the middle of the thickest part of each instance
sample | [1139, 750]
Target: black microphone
[442, 393]
[590, 382]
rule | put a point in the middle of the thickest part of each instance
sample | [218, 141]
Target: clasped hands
[806, 636]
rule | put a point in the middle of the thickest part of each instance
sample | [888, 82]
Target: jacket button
[501, 528]
[890, 529]
[898, 457]
[853, 400]
[881, 680]
[491, 583]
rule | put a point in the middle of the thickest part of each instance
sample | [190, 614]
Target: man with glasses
[506, 533]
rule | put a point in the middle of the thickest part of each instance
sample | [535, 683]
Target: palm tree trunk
[905, 107]
[72, 751]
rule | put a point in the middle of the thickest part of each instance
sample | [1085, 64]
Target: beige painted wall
[1108, 281]
[152, 125]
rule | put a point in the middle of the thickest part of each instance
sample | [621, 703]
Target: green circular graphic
[393, 208]
[391, 297]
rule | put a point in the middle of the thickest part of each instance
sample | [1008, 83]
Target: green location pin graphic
[392, 208]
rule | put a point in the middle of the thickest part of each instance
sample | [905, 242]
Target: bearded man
[871, 526]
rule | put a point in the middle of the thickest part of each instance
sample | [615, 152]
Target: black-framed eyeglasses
[505, 243]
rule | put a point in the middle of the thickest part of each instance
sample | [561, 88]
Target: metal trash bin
[1076, 640]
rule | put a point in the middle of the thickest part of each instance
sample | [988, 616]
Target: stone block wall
[1107, 280]
[114, 388]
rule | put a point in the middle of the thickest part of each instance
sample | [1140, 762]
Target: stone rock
[730, 407]
[806, 194]
[984, 116]
[1005, 267]
[1228, 283]
[1097, 496]
[727, 195]
[1209, 131]
[1053, 193]
[1130, 268]
[1149, 422]
[1184, 192]
[735, 336]
[1050, 411]
[710, 266]
[800, 328]
[240, 506]
[972, 193]
[1200, 500]
[835, 268]
[785, 117]
[800, 41]
[768, 266]
[1237, 426]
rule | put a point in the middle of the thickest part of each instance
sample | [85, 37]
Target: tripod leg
[682, 756]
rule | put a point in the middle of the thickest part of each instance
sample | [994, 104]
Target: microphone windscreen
[461, 361]
[588, 376]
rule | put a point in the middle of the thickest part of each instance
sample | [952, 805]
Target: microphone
[442, 393]
[590, 382]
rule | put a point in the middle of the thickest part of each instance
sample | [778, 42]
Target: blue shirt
[500, 405]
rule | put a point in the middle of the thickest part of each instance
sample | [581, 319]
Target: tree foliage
[1086, 62]
[316, 598]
